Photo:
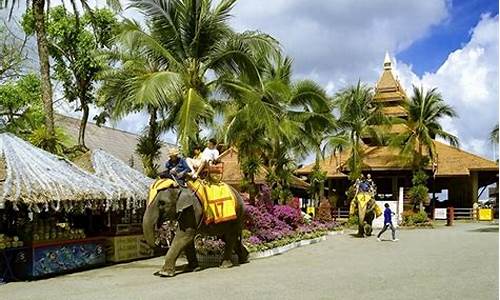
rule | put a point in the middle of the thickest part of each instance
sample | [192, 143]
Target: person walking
[388, 223]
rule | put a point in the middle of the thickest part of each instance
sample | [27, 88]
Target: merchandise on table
[7, 242]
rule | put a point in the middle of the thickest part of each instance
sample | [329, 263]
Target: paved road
[460, 262]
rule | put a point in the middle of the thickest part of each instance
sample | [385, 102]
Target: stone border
[286, 248]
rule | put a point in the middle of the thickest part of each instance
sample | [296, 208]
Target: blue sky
[449, 35]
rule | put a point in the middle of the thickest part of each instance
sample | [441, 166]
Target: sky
[451, 45]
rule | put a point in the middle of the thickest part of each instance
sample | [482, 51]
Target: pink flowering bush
[289, 215]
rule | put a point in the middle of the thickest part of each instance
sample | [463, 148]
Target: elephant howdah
[364, 206]
[181, 204]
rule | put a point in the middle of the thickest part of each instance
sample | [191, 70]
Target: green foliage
[494, 135]
[149, 149]
[21, 105]
[74, 43]
[41, 138]
[419, 192]
[410, 218]
[352, 221]
[425, 110]
[12, 55]
[317, 180]
[358, 112]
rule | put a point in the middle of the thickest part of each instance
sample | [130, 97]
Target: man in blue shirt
[176, 166]
[388, 223]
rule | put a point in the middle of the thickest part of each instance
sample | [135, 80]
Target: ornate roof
[451, 162]
[388, 89]
[233, 175]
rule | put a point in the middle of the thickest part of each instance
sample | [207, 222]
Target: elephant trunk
[149, 222]
[361, 213]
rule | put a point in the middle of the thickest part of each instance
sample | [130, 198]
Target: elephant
[181, 204]
[364, 206]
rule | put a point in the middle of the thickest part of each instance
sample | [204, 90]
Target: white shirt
[209, 154]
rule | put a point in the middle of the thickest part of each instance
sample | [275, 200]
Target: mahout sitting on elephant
[363, 206]
[181, 204]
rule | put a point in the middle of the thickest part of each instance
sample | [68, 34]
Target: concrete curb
[286, 248]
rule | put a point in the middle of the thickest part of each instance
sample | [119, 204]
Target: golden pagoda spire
[387, 61]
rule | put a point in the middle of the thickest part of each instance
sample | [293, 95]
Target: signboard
[440, 213]
[485, 214]
[311, 210]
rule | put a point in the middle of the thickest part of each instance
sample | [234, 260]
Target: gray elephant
[364, 206]
[181, 204]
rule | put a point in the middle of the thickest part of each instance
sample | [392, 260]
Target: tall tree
[37, 9]
[494, 135]
[291, 115]
[425, 110]
[358, 115]
[12, 54]
[73, 45]
[194, 39]
[135, 82]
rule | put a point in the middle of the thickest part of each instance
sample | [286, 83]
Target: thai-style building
[462, 174]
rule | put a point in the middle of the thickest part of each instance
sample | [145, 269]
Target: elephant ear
[185, 200]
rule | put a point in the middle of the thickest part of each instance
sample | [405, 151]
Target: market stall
[52, 212]
[123, 241]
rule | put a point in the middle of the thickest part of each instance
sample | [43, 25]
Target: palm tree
[275, 118]
[137, 83]
[416, 143]
[494, 135]
[357, 115]
[425, 109]
[194, 39]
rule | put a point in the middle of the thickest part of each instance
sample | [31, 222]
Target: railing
[463, 213]
[340, 213]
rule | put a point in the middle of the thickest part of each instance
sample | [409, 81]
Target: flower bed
[269, 227]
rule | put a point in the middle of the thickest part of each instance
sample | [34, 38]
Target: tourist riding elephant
[364, 206]
[178, 203]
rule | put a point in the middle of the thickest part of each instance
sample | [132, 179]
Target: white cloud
[341, 40]
[468, 81]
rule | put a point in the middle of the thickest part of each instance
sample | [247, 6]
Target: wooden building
[461, 173]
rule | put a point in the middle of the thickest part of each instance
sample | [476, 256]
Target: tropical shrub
[411, 218]
[291, 216]
[324, 211]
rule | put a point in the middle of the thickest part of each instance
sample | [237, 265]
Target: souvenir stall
[52, 214]
[124, 234]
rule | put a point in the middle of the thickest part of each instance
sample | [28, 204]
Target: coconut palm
[494, 135]
[193, 38]
[416, 143]
[275, 118]
[425, 110]
[358, 113]
[137, 83]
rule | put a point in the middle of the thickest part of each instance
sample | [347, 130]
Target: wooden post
[474, 188]
[395, 190]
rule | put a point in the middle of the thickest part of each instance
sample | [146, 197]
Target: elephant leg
[182, 239]
[361, 230]
[191, 257]
[230, 238]
[369, 223]
[241, 251]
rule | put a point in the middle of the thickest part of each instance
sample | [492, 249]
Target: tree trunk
[43, 56]
[83, 126]
[149, 162]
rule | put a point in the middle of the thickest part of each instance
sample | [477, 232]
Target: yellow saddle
[158, 185]
[218, 200]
